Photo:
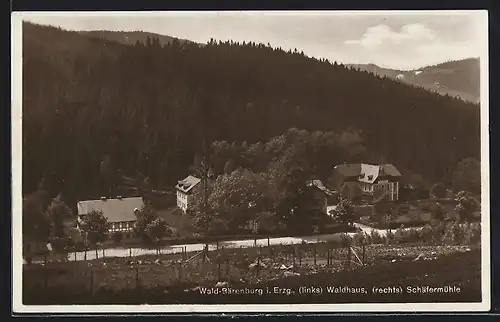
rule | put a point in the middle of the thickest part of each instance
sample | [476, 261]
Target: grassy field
[169, 279]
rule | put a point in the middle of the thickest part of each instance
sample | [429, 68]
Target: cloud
[414, 45]
[377, 36]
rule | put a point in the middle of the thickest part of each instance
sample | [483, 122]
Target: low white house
[184, 193]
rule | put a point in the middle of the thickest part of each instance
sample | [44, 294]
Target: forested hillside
[459, 78]
[148, 106]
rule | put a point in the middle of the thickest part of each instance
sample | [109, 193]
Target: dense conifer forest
[148, 107]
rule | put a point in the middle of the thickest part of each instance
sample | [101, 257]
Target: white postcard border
[17, 261]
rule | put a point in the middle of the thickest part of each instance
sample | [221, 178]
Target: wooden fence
[244, 265]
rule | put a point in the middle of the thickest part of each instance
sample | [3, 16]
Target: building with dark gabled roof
[370, 177]
[121, 213]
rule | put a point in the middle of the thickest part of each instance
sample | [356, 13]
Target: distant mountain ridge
[131, 37]
[460, 78]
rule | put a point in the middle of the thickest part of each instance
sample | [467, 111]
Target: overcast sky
[390, 39]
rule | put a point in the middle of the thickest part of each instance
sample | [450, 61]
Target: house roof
[187, 184]
[389, 170]
[115, 210]
[367, 172]
[349, 170]
[318, 184]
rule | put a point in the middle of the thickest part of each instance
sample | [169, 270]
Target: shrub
[390, 238]
[475, 231]
[368, 239]
[386, 220]
[346, 240]
[454, 235]
[438, 213]
[399, 235]
[472, 233]
[81, 245]
[117, 237]
[359, 239]
[406, 235]
[60, 244]
[426, 234]
[413, 235]
[438, 191]
[376, 238]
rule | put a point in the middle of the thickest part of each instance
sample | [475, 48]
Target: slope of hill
[455, 78]
[149, 106]
[131, 37]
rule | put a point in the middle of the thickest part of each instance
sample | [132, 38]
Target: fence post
[180, 272]
[300, 256]
[85, 254]
[75, 255]
[363, 255]
[258, 266]
[314, 250]
[227, 269]
[328, 257]
[217, 244]
[137, 281]
[218, 268]
[349, 257]
[103, 252]
[96, 252]
[268, 242]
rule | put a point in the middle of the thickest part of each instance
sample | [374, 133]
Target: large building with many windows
[370, 177]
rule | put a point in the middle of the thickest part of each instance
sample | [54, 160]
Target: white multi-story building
[184, 190]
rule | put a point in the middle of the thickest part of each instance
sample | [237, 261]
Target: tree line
[271, 183]
[268, 183]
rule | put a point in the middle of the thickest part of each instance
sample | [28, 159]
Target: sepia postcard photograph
[250, 161]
